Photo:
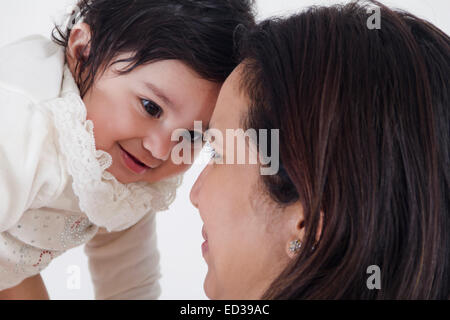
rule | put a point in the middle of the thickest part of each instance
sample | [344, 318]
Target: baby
[85, 133]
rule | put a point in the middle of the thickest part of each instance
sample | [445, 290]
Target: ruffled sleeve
[29, 164]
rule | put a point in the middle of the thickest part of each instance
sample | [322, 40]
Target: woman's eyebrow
[160, 94]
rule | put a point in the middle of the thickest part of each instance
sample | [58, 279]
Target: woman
[364, 172]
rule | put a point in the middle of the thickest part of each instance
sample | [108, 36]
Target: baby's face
[135, 114]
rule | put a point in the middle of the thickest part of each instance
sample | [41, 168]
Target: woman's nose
[196, 188]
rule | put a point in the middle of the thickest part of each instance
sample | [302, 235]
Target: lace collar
[107, 202]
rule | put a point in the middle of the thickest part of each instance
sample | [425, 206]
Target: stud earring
[295, 246]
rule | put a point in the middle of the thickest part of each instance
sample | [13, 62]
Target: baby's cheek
[104, 133]
[178, 169]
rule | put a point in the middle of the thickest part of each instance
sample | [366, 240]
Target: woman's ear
[296, 229]
[78, 46]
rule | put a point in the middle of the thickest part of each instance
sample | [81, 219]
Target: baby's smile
[132, 162]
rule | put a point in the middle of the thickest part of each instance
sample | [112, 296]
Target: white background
[179, 228]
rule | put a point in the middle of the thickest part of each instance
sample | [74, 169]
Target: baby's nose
[159, 150]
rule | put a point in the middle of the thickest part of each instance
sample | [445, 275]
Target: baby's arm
[125, 264]
[32, 288]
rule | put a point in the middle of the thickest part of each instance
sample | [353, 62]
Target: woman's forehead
[231, 104]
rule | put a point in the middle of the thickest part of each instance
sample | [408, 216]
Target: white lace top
[54, 191]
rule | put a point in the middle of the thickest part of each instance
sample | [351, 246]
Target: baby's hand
[32, 288]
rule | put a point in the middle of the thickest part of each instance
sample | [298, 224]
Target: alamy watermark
[374, 281]
[374, 20]
[235, 151]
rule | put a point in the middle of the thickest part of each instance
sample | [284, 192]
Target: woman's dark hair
[200, 33]
[364, 140]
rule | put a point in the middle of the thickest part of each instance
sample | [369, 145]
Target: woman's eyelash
[211, 151]
[152, 108]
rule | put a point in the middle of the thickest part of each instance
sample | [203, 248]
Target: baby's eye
[152, 108]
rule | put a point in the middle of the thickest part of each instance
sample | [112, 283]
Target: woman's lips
[205, 243]
[205, 236]
[205, 248]
[132, 163]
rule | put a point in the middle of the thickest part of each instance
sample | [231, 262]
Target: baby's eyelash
[152, 108]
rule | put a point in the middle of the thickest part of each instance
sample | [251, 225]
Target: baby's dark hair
[200, 33]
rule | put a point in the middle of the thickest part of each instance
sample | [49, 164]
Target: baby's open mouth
[132, 162]
[135, 159]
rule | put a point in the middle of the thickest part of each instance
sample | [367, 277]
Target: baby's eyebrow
[160, 94]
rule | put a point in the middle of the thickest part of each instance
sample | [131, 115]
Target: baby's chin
[125, 177]
[122, 178]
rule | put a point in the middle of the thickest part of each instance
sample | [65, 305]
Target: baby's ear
[78, 46]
